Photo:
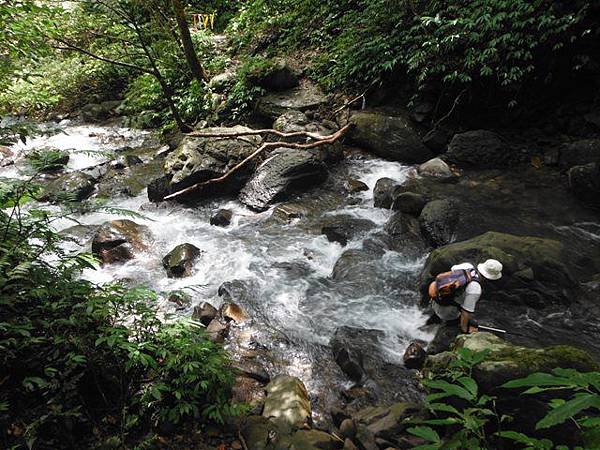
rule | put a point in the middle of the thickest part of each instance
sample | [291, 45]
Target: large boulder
[534, 271]
[584, 182]
[389, 422]
[287, 402]
[120, 240]
[436, 168]
[301, 98]
[345, 228]
[480, 149]
[73, 186]
[221, 218]
[198, 159]
[404, 231]
[409, 203]
[179, 262]
[506, 361]
[279, 76]
[361, 355]
[282, 173]
[390, 137]
[438, 221]
[579, 153]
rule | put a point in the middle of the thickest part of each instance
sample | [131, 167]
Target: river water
[287, 267]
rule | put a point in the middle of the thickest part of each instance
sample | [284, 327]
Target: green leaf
[469, 384]
[450, 389]
[426, 433]
[568, 410]
[539, 379]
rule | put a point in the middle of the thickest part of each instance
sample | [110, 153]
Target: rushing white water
[288, 266]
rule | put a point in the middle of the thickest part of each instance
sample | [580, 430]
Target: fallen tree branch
[307, 134]
[321, 140]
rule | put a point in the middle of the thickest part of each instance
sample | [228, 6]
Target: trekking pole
[493, 330]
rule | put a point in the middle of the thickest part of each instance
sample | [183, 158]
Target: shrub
[82, 363]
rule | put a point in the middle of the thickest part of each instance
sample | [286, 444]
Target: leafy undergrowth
[87, 366]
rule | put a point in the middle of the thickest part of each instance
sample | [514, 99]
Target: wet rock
[73, 186]
[438, 221]
[301, 98]
[350, 356]
[285, 171]
[237, 291]
[120, 240]
[80, 234]
[584, 182]
[348, 429]
[179, 262]
[204, 313]
[506, 361]
[287, 402]
[479, 149]
[436, 168]
[414, 356]
[354, 186]
[405, 234]
[125, 161]
[217, 332]
[409, 203]
[130, 180]
[221, 218]
[232, 312]
[198, 159]
[289, 211]
[345, 228]
[579, 153]
[313, 439]
[545, 257]
[94, 112]
[389, 137]
[6, 156]
[353, 265]
[383, 193]
[159, 188]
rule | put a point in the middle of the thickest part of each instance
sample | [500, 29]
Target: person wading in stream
[454, 296]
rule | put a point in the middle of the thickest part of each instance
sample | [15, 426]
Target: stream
[286, 268]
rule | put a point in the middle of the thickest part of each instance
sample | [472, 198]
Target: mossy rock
[542, 260]
[508, 362]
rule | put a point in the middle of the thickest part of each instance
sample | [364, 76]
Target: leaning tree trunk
[196, 68]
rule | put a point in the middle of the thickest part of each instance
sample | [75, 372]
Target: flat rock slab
[287, 402]
[302, 98]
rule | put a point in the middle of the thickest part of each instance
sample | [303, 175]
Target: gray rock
[198, 159]
[414, 356]
[221, 82]
[584, 182]
[179, 262]
[301, 99]
[73, 186]
[437, 140]
[313, 439]
[285, 171]
[120, 240]
[221, 218]
[480, 149]
[291, 121]
[404, 231]
[383, 193]
[348, 429]
[345, 228]
[436, 168]
[204, 313]
[579, 153]
[217, 332]
[438, 221]
[354, 186]
[287, 402]
[409, 203]
[389, 137]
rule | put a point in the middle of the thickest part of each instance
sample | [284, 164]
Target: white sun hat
[491, 269]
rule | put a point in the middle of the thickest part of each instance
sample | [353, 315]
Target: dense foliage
[83, 364]
[463, 417]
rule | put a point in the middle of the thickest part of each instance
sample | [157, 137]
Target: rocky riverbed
[310, 265]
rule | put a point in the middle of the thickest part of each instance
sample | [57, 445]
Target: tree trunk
[188, 48]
